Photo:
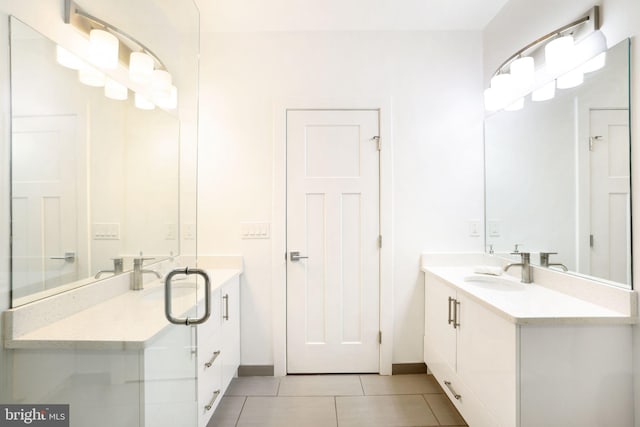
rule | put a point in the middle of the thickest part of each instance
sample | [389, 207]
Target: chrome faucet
[117, 268]
[544, 261]
[136, 277]
[524, 264]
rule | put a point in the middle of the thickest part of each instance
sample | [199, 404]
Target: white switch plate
[255, 230]
[171, 229]
[106, 231]
[474, 228]
[188, 231]
[494, 228]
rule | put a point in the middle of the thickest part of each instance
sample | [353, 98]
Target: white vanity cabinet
[470, 349]
[503, 371]
[218, 349]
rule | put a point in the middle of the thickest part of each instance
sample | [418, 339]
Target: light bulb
[559, 54]
[545, 92]
[115, 90]
[595, 63]
[143, 103]
[103, 49]
[140, 67]
[571, 79]
[490, 100]
[91, 77]
[168, 100]
[523, 72]
[515, 106]
[68, 59]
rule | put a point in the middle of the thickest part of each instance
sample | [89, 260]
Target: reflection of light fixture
[115, 90]
[90, 76]
[68, 59]
[544, 93]
[143, 103]
[569, 52]
[140, 67]
[517, 105]
[107, 44]
[103, 49]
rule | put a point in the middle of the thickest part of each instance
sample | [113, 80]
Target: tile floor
[336, 400]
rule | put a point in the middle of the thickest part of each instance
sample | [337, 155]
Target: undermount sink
[177, 290]
[496, 283]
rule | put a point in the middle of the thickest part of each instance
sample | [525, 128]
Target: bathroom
[424, 74]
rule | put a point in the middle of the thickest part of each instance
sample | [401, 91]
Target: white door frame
[278, 218]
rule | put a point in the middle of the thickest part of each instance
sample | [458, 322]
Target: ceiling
[346, 15]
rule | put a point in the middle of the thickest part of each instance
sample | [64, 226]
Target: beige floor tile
[444, 410]
[399, 384]
[253, 386]
[379, 411]
[320, 385]
[227, 412]
[288, 411]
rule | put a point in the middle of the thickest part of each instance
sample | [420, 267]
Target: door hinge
[593, 140]
[379, 337]
[380, 241]
[378, 142]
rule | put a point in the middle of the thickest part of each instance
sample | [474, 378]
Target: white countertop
[527, 303]
[128, 321]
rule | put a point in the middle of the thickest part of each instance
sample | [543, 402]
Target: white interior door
[610, 201]
[44, 223]
[333, 214]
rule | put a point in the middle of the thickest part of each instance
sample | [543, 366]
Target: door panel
[610, 201]
[333, 221]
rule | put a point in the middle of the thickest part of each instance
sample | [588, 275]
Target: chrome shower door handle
[294, 256]
[207, 297]
[67, 257]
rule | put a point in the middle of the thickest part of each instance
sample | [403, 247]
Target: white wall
[431, 80]
[522, 21]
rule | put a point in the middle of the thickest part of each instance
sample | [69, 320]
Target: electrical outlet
[170, 231]
[189, 231]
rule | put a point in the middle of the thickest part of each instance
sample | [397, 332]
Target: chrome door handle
[295, 256]
[67, 257]
[167, 297]
[225, 316]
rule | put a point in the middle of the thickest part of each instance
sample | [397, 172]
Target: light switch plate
[106, 231]
[474, 228]
[255, 230]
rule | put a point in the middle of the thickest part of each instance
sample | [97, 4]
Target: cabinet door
[230, 310]
[440, 336]
[487, 360]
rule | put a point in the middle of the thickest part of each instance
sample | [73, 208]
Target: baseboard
[255, 371]
[408, 368]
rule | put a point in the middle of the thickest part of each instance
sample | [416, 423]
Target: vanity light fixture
[68, 59]
[569, 52]
[91, 76]
[110, 47]
[115, 90]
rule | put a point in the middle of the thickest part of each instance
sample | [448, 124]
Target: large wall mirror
[558, 176]
[93, 179]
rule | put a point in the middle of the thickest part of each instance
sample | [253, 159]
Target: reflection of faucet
[136, 276]
[117, 268]
[544, 261]
[524, 265]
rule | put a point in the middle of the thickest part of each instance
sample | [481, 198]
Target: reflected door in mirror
[609, 177]
[44, 225]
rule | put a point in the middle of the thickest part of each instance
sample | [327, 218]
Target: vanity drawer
[209, 387]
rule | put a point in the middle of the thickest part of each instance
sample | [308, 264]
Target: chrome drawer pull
[456, 313]
[213, 400]
[226, 307]
[456, 395]
[449, 319]
[213, 359]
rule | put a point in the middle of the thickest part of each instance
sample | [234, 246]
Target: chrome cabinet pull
[449, 318]
[213, 400]
[226, 307]
[213, 359]
[456, 312]
[167, 297]
[453, 392]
